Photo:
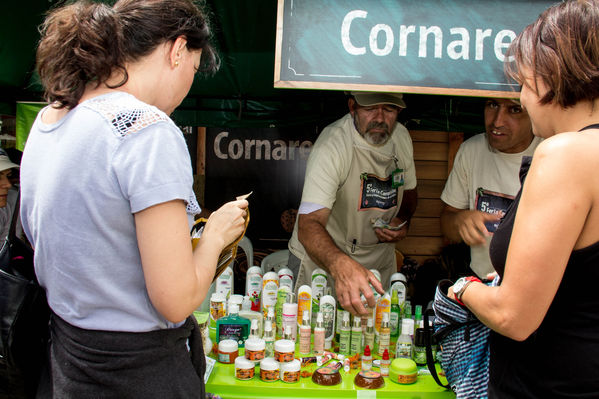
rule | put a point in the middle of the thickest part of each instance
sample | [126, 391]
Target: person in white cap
[358, 197]
[7, 196]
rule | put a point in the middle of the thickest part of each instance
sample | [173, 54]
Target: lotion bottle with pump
[305, 332]
[319, 335]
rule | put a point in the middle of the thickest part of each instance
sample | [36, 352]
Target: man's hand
[388, 235]
[351, 281]
[471, 226]
[466, 225]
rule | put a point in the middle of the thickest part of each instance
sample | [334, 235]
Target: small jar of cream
[255, 349]
[290, 372]
[227, 351]
[244, 369]
[284, 350]
[269, 369]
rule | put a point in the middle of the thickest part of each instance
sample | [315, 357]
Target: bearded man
[358, 197]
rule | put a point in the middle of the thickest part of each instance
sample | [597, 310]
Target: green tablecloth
[222, 382]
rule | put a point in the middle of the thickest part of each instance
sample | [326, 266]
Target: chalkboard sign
[452, 47]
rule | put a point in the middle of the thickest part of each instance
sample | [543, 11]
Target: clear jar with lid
[255, 349]
[290, 372]
[244, 369]
[269, 369]
[228, 351]
[284, 350]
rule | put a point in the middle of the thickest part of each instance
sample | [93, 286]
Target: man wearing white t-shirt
[360, 171]
[484, 179]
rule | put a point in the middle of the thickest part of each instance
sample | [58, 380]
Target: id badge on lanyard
[397, 176]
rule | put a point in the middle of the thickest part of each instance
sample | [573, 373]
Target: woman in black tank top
[544, 315]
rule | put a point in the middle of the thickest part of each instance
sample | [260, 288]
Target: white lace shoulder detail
[128, 115]
[125, 113]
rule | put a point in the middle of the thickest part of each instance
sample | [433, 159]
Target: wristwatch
[460, 286]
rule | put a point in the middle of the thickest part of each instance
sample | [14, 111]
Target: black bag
[24, 316]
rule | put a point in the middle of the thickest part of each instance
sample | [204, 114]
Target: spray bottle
[319, 335]
[345, 335]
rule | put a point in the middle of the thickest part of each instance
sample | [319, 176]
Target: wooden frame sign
[454, 47]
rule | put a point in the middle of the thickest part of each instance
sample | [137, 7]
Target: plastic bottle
[419, 348]
[327, 308]
[269, 340]
[253, 286]
[305, 331]
[304, 303]
[270, 286]
[339, 320]
[224, 282]
[318, 286]
[418, 317]
[254, 330]
[367, 359]
[286, 278]
[252, 315]
[345, 335]
[281, 299]
[270, 319]
[233, 327]
[384, 334]
[385, 363]
[399, 282]
[356, 336]
[394, 317]
[319, 334]
[383, 306]
[287, 335]
[407, 310]
[403, 347]
[290, 316]
[369, 334]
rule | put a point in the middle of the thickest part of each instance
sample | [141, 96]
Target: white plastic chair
[275, 261]
[248, 249]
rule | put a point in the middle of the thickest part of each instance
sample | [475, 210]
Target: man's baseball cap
[5, 162]
[366, 98]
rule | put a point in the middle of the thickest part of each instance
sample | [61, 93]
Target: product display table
[222, 382]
